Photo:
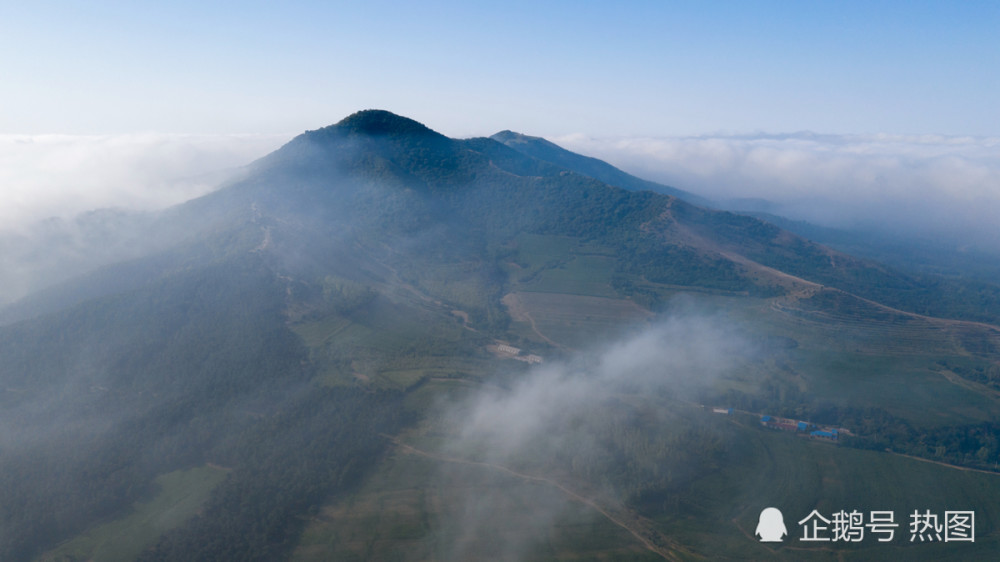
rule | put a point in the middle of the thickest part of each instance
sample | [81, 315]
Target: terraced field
[569, 321]
[860, 326]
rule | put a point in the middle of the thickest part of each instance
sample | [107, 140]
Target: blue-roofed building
[802, 426]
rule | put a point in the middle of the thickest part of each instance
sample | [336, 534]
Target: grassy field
[181, 494]
[581, 275]
[912, 388]
[559, 264]
[842, 351]
[717, 515]
[391, 343]
[572, 320]
[421, 509]
[831, 357]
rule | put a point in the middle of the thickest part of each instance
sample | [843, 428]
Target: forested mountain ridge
[354, 172]
[484, 188]
[544, 150]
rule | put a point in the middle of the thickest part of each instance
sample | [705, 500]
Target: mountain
[381, 342]
[539, 148]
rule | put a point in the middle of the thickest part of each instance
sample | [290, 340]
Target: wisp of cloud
[566, 417]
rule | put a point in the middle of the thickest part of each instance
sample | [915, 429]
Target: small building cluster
[512, 352]
[802, 427]
[830, 434]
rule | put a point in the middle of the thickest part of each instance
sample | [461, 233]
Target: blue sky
[139, 104]
[549, 68]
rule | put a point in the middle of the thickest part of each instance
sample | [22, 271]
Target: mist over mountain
[381, 342]
[59, 176]
[77, 202]
[931, 188]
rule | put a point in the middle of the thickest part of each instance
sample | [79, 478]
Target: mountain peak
[381, 122]
[508, 136]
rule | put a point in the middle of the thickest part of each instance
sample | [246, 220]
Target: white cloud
[678, 354]
[61, 175]
[556, 420]
[949, 184]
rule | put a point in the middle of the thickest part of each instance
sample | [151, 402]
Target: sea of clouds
[44, 176]
[911, 184]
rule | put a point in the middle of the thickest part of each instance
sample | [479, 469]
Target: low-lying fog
[912, 185]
